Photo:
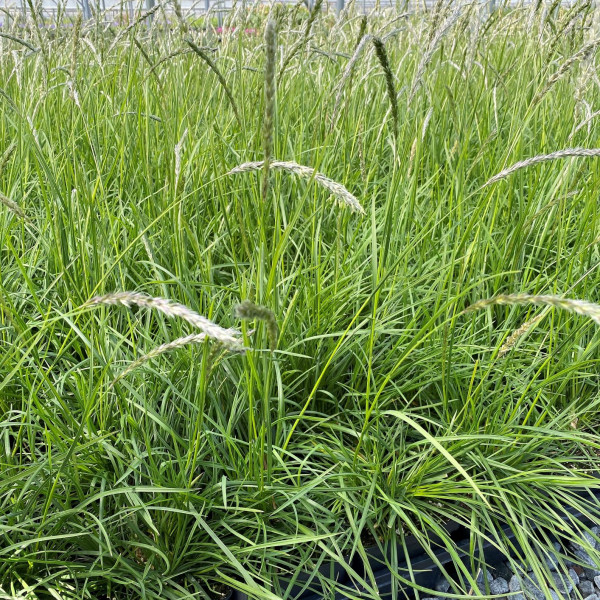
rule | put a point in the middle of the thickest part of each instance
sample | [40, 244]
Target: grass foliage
[363, 405]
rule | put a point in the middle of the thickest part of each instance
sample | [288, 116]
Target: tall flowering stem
[269, 116]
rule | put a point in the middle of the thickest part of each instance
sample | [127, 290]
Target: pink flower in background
[232, 29]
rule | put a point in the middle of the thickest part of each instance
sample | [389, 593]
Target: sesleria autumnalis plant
[207, 474]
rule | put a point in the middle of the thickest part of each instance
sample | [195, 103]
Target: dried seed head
[337, 189]
[179, 14]
[316, 9]
[562, 70]
[534, 160]
[413, 153]
[440, 32]
[148, 248]
[227, 337]
[586, 122]
[581, 307]
[247, 311]
[426, 123]
[302, 42]
[73, 94]
[194, 338]
[346, 76]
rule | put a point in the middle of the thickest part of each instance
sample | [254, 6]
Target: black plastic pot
[379, 557]
[425, 571]
[305, 583]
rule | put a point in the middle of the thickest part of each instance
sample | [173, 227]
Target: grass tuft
[148, 450]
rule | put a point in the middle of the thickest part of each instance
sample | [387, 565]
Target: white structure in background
[219, 7]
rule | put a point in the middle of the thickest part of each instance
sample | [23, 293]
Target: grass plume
[227, 337]
[517, 334]
[389, 79]
[564, 69]
[269, 101]
[580, 307]
[13, 207]
[347, 75]
[337, 189]
[534, 160]
[362, 30]
[439, 34]
[248, 311]
[193, 338]
[301, 43]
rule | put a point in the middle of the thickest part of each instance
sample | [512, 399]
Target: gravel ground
[568, 581]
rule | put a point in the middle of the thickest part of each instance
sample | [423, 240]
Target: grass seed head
[564, 68]
[227, 337]
[516, 335]
[389, 79]
[441, 31]
[581, 307]
[6, 156]
[194, 338]
[362, 30]
[247, 310]
[534, 160]
[346, 76]
[426, 123]
[337, 189]
[269, 114]
[13, 207]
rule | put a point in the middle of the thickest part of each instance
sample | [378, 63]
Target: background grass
[203, 468]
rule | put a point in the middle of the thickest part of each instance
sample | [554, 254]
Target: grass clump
[155, 446]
